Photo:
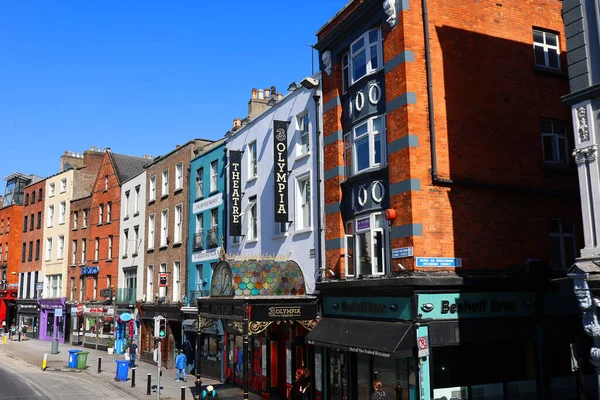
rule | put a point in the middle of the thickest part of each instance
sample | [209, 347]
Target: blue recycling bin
[73, 358]
[122, 370]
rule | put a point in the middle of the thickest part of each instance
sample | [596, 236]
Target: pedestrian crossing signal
[160, 327]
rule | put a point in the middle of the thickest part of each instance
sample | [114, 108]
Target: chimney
[259, 104]
[93, 148]
[237, 124]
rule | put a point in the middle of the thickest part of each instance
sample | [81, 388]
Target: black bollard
[99, 364]
[133, 377]
[149, 386]
[183, 393]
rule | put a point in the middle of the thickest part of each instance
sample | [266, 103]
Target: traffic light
[160, 327]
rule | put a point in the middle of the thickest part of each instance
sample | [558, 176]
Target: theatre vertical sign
[280, 170]
[235, 199]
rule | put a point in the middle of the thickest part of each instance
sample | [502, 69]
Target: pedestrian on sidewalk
[180, 364]
[239, 360]
[3, 326]
[133, 352]
[13, 331]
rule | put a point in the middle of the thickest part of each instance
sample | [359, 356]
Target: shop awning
[384, 339]
[190, 324]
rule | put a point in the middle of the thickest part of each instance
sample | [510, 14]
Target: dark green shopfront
[448, 344]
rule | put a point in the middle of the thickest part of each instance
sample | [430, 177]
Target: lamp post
[198, 368]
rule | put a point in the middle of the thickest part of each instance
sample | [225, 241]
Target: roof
[126, 167]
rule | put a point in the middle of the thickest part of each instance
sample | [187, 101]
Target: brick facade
[33, 233]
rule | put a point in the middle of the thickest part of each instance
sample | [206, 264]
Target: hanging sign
[235, 194]
[163, 280]
[280, 170]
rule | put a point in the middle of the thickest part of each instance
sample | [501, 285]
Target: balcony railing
[211, 239]
[198, 239]
[126, 295]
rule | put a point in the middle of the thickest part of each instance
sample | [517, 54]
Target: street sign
[402, 252]
[439, 262]
[423, 345]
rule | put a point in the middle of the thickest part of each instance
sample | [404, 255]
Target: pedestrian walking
[133, 352]
[378, 393]
[306, 387]
[180, 364]
[3, 326]
[239, 360]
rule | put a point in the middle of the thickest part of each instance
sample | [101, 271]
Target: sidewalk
[32, 351]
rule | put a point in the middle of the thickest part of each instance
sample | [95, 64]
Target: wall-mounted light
[310, 83]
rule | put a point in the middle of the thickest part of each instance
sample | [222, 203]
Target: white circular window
[374, 93]
[359, 101]
[362, 196]
[377, 191]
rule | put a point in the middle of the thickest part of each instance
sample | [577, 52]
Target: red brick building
[95, 221]
[448, 170]
[31, 257]
[11, 231]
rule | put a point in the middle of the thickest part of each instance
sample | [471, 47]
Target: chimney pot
[92, 148]
[273, 91]
[253, 93]
[177, 146]
[99, 149]
[261, 94]
[144, 156]
[108, 150]
[279, 96]
[267, 93]
[150, 156]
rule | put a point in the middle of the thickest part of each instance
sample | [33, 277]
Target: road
[23, 381]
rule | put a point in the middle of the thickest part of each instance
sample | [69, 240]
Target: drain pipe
[317, 99]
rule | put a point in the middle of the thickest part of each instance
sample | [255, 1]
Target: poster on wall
[280, 170]
[318, 373]
[235, 193]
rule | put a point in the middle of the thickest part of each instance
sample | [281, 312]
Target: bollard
[133, 377]
[99, 364]
[183, 393]
[44, 361]
[149, 386]
[4, 339]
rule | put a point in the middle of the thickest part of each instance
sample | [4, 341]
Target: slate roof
[127, 167]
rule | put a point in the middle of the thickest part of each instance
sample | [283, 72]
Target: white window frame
[165, 183]
[368, 49]
[176, 281]
[136, 238]
[371, 135]
[372, 230]
[126, 205]
[152, 195]
[179, 176]
[48, 249]
[50, 219]
[151, 230]
[63, 185]
[100, 213]
[303, 128]
[125, 242]
[200, 183]
[51, 189]
[150, 283]
[75, 219]
[62, 213]
[214, 175]
[558, 140]
[252, 160]
[252, 229]
[85, 219]
[105, 182]
[349, 257]
[110, 247]
[108, 211]
[83, 250]
[74, 252]
[95, 294]
[96, 249]
[164, 227]
[72, 294]
[60, 248]
[136, 204]
[178, 224]
[303, 203]
[563, 237]
[546, 48]
[199, 223]
[162, 290]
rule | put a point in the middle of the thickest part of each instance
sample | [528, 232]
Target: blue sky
[140, 76]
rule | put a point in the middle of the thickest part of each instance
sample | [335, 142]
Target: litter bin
[73, 358]
[82, 359]
[122, 370]
[54, 349]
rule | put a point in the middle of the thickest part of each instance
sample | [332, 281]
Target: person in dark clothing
[297, 394]
[306, 386]
[133, 352]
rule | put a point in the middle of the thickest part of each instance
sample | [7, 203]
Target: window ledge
[302, 156]
[251, 180]
[108, 260]
[74, 229]
[251, 241]
[177, 190]
[73, 265]
[199, 198]
[126, 218]
[280, 235]
[134, 255]
[163, 247]
[303, 230]
[213, 192]
[177, 244]
[150, 249]
[550, 71]
[107, 222]
[99, 224]
[236, 243]
[164, 196]
[124, 256]
[151, 201]
[135, 214]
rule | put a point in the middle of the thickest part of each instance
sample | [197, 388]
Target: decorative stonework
[588, 309]
[585, 154]
[255, 327]
[326, 58]
[238, 325]
[310, 324]
[391, 10]
[582, 122]
[205, 323]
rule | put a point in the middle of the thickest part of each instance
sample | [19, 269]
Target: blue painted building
[206, 218]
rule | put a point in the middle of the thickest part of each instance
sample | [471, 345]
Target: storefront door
[338, 376]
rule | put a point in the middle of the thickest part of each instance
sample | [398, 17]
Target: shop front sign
[270, 312]
[227, 311]
[280, 170]
[206, 255]
[207, 204]
[475, 305]
[106, 293]
[27, 307]
[370, 307]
